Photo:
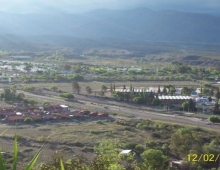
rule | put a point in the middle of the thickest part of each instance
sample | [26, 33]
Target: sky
[79, 6]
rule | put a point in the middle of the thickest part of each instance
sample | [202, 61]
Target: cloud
[74, 6]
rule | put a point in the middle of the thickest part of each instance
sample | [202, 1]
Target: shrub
[100, 122]
[66, 95]
[41, 138]
[139, 126]
[214, 119]
[130, 145]
[139, 148]
[138, 100]
[46, 103]
[28, 120]
[151, 144]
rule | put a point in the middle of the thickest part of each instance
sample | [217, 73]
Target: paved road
[133, 112]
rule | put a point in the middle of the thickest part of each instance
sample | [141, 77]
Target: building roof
[14, 118]
[125, 151]
[174, 97]
[64, 106]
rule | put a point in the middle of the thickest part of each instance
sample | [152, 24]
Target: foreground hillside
[82, 137]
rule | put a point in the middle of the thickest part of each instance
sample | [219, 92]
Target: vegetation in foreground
[154, 144]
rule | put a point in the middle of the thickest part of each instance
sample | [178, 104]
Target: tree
[205, 90]
[104, 88]
[88, 90]
[119, 95]
[217, 94]
[164, 90]
[158, 91]
[76, 88]
[172, 90]
[191, 104]
[182, 141]
[212, 148]
[111, 88]
[214, 119]
[216, 108]
[107, 151]
[139, 148]
[9, 94]
[101, 92]
[186, 91]
[156, 102]
[54, 88]
[20, 96]
[28, 67]
[185, 105]
[155, 159]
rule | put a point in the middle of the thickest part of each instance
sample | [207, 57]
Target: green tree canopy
[54, 88]
[186, 91]
[155, 159]
[214, 119]
[182, 141]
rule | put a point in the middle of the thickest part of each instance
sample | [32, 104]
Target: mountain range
[139, 24]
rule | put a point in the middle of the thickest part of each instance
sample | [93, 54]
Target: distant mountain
[140, 24]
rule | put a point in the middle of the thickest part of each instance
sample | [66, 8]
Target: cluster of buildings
[21, 113]
[204, 103]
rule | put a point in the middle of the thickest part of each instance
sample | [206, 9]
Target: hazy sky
[76, 6]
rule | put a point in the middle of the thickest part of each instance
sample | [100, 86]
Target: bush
[41, 139]
[66, 95]
[151, 144]
[214, 119]
[100, 122]
[46, 103]
[139, 148]
[130, 145]
[138, 100]
[28, 120]
[139, 126]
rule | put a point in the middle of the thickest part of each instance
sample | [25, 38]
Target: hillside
[138, 24]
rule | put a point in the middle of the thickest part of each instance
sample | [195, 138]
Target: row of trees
[76, 89]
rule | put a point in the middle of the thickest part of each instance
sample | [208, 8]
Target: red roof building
[16, 118]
